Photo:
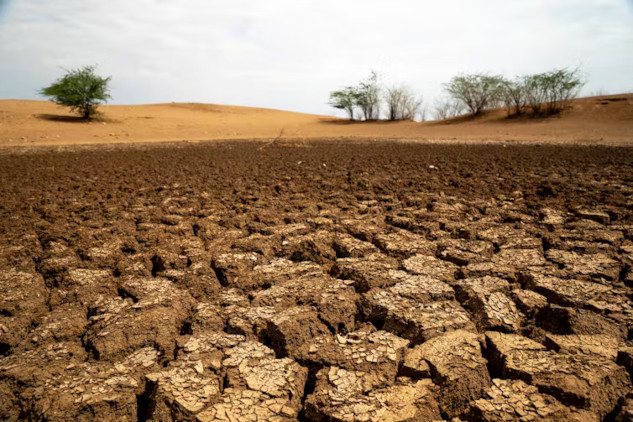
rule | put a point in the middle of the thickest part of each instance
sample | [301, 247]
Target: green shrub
[515, 96]
[368, 97]
[365, 96]
[345, 99]
[80, 89]
[476, 92]
[551, 92]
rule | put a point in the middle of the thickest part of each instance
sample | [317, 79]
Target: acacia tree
[475, 91]
[393, 100]
[402, 104]
[365, 96]
[80, 89]
[551, 92]
[368, 97]
[345, 99]
[423, 113]
[515, 95]
[412, 107]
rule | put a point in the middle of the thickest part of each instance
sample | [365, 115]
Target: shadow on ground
[99, 118]
[61, 118]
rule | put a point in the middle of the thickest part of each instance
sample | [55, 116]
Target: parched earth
[364, 281]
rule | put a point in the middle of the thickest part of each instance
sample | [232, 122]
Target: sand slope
[603, 120]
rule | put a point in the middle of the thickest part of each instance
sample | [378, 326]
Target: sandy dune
[602, 120]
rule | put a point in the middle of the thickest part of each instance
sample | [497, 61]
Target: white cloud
[290, 53]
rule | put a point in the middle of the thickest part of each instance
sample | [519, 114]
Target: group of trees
[539, 94]
[368, 97]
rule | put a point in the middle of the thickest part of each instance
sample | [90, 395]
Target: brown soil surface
[597, 120]
[326, 281]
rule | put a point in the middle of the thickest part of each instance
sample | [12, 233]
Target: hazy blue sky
[289, 54]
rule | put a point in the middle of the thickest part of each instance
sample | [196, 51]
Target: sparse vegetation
[364, 96]
[514, 96]
[402, 103]
[551, 92]
[446, 108]
[344, 99]
[368, 97]
[475, 91]
[80, 89]
[539, 94]
[543, 93]
[365, 99]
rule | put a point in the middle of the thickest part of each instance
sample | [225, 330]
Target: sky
[289, 54]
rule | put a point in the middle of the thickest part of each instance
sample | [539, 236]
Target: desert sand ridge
[605, 120]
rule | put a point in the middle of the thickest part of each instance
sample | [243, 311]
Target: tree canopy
[80, 89]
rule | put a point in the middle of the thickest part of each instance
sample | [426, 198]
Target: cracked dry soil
[316, 282]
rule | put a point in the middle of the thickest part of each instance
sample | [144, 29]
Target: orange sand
[597, 120]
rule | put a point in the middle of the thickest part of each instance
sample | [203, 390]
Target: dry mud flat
[321, 282]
